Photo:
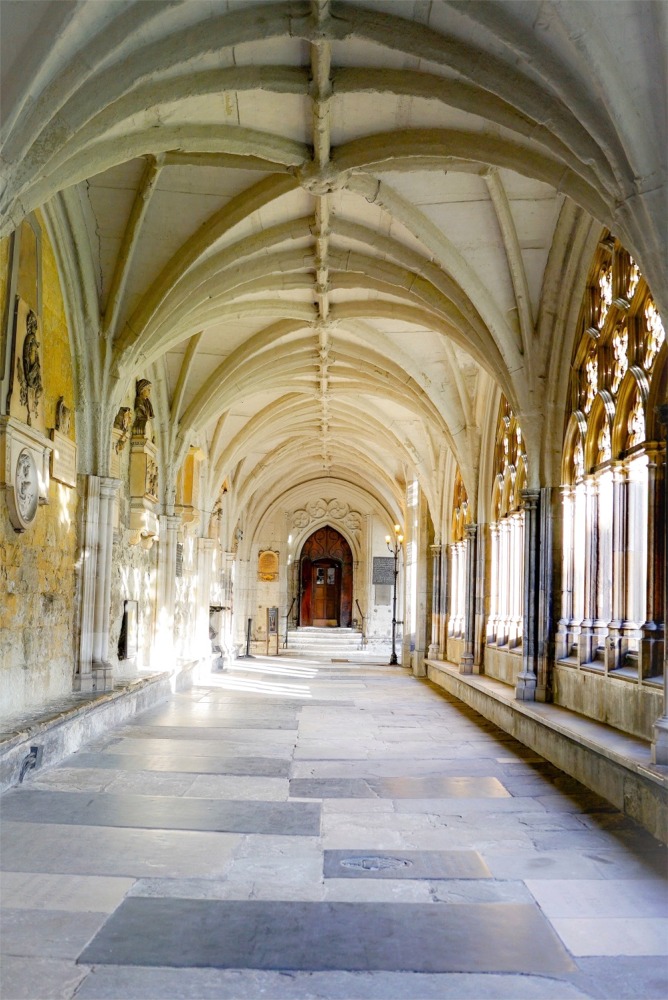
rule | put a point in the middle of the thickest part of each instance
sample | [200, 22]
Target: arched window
[461, 516]
[611, 614]
[504, 623]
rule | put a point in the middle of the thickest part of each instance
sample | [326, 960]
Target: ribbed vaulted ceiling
[329, 230]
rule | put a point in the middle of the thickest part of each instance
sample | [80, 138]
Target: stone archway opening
[326, 580]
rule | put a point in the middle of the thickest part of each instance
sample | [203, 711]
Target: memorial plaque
[267, 566]
[63, 459]
[383, 570]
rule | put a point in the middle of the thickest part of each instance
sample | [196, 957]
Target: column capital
[530, 497]
[108, 486]
[471, 530]
[172, 522]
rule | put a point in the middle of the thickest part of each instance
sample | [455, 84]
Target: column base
[99, 678]
[432, 651]
[466, 664]
[419, 668]
[660, 742]
[526, 687]
[84, 683]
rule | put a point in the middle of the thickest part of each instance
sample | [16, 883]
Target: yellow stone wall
[37, 567]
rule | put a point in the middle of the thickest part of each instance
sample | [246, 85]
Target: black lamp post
[394, 547]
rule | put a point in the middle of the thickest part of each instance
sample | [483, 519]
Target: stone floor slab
[230, 888]
[386, 891]
[530, 864]
[623, 864]
[398, 788]
[238, 733]
[205, 721]
[199, 748]
[47, 933]
[155, 812]
[433, 865]
[72, 779]
[220, 786]
[74, 893]
[108, 983]
[587, 864]
[320, 936]
[623, 978]
[177, 762]
[43, 978]
[101, 851]
[605, 899]
[605, 936]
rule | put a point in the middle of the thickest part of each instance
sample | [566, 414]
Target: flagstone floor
[296, 829]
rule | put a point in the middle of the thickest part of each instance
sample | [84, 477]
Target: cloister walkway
[297, 829]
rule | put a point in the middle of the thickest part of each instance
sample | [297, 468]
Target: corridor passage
[296, 829]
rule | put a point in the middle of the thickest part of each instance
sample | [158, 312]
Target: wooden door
[325, 592]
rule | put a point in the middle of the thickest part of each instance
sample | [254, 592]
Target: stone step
[332, 643]
[308, 640]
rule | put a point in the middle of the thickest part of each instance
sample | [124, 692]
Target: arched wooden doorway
[326, 566]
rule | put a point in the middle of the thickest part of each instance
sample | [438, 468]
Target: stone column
[101, 668]
[551, 588]
[653, 628]
[422, 569]
[586, 647]
[205, 548]
[660, 741]
[505, 581]
[163, 646]
[491, 632]
[467, 658]
[444, 601]
[527, 679]
[435, 553]
[479, 599]
[90, 491]
[564, 625]
[614, 650]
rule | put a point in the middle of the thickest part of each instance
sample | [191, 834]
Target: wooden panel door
[326, 592]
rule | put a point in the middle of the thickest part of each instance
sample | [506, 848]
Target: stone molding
[334, 510]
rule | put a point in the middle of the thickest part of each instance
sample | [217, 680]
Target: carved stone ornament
[63, 417]
[143, 490]
[24, 470]
[152, 478]
[26, 488]
[335, 510]
[143, 406]
[122, 423]
[29, 368]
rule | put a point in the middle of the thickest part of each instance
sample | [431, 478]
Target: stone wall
[133, 578]
[185, 604]
[502, 664]
[37, 567]
[622, 703]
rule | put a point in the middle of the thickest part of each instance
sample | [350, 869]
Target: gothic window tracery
[461, 516]
[608, 492]
[504, 623]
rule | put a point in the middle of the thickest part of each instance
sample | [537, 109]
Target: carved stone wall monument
[267, 566]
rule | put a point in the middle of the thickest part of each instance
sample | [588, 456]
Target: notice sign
[272, 629]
